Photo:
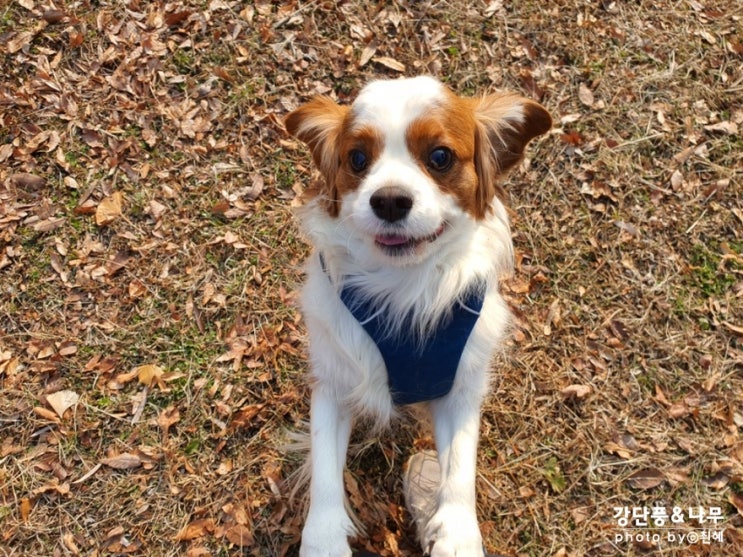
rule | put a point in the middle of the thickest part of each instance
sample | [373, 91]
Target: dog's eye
[358, 160]
[440, 159]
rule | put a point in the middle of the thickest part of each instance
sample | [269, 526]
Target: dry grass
[627, 222]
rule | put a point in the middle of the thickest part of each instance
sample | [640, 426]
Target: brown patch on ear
[505, 124]
[318, 124]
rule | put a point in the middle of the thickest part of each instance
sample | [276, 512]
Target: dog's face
[410, 160]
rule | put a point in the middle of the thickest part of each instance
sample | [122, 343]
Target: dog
[401, 301]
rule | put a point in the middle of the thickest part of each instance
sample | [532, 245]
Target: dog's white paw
[326, 535]
[453, 532]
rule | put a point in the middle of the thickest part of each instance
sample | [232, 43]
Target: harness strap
[418, 372]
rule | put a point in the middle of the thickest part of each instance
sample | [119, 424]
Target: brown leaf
[47, 225]
[124, 461]
[69, 541]
[585, 95]
[679, 410]
[718, 481]
[109, 209]
[76, 39]
[244, 417]
[62, 400]
[195, 529]
[256, 187]
[579, 514]
[67, 348]
[572, 138]
[660, 396]
[27, 182]
[167, 418]
[46, 414]
[615, 448]
[239, 535]
[733, 328]
[390, 63]
[174, 18]
[157, 209]
[137, 289]
[54, 486]
[53, 16]
[367, 54]
[737, 501]
[19, 41]
[727, 128]
[149, 374]
[26, 507]
[647, 478]
[577, 391]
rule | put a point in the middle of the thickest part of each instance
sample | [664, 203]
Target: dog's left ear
[505, 125]
[318, 124]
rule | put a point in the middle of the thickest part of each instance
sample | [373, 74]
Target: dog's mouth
[401, 244]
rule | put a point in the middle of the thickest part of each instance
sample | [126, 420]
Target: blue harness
[418, 372]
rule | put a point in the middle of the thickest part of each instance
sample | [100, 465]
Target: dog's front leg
[328, 525]
[453, 529]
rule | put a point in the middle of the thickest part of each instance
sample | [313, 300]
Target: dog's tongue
[392, 239]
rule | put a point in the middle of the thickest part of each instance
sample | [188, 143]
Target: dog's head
[409, 159]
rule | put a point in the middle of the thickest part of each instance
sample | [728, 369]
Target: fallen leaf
[69, 541]
[124, 461]
[390, 63]
[615, 448]
[167, 418]
[55, 487]
[585, 95]
[53, 16]
[737, 501]
[718, 481]
[577, 391]
[526, 492]
[733, 328]
[679, 410]
[244, 417]
[239, 535]
[572, 137]
[195, 529]
[46, 414]
[256, 187]
[67, 349]
[137, 289]
[647, 478]
[367, 54]
[225, 467]
[579, 514]
[62, 400]
[157, 209]
[149, 374]
[26, 507]
[27, 182]
[109, 209]
[727, 128]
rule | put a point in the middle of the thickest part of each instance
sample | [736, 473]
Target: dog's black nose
[391, 203]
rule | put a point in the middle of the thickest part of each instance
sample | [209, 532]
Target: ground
[152, 359]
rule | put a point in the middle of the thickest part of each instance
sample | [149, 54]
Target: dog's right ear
[318, 124]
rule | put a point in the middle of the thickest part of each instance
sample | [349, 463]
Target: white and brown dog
[401, 301]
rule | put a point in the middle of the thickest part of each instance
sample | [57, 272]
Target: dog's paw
[326, 536]
[453, 532]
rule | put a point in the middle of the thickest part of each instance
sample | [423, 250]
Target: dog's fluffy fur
[435, 160]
